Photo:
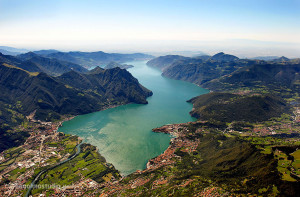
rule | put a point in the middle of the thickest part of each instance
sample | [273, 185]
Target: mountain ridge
[55, 96]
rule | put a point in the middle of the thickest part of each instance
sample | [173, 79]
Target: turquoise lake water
[124, 134]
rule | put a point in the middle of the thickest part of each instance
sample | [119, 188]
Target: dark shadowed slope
[227, 107]
[275, 77]
[52, 97]
[199, 71]
[50, 66]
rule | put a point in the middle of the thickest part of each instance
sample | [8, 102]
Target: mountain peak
[27, 56]
[281, 59]
[224, 57]
[96, 70]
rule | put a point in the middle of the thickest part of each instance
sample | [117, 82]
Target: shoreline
[163, 129]
[65, 119]
[82, 139]
[167, 129]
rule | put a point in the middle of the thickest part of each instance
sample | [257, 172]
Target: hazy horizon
[243, 28]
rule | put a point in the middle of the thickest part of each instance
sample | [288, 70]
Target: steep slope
[224, 57]
[199, 71]
[52, 96]
[275, 77]
[113, 84]
[96, 70]
[227, 107]
[282, 59]
[10, 138]
[50, 66]
[26, 65]
[163, 62]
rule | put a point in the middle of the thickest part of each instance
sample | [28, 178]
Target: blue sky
[141, 25]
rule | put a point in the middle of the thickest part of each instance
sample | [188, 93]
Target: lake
[124, 134]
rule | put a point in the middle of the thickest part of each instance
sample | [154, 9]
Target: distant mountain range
[203, 68]
[91, 59]
[163, 62]
[55, 63]
[227, 72]
[84, 59]
[265, 58]
[12, 50]
[180, 53]
[5, 52]
[35, 63]
[46, 52]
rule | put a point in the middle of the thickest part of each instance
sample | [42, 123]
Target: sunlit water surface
[124, 134]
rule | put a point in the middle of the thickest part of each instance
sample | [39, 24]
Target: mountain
[265, 58]
[115, 64]
[91, 59]
[5, 52]
[224, 57]
[136, 56]
[163, 62]
[203, 161]
[227, 107]
[115, 85]
[26, 65]
[72, 93]
[227, 72]
[35, 63]
[51, 66]
[12, 49]
[46, 52]
[282, 59]
[199, 71]
[11, 138]
[278, 78]
[203, 57]
[27, 56]
[181, 53]
[96, 70]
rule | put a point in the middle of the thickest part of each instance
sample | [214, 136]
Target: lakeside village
[19, 165]
[46, 147]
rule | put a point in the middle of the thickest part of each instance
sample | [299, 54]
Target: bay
[124, 134]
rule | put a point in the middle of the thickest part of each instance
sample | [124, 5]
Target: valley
[152, 98]
[237, 140]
